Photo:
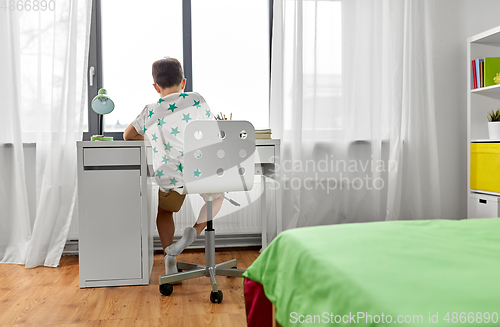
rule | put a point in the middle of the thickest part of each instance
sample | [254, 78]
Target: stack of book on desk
[263, 133]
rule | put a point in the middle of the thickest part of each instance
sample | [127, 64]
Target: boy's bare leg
[191, 233]
[201, 223]
[166, 227]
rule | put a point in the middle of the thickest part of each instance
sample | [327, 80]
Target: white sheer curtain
[14, 215]
[43, 83]
[359, 143]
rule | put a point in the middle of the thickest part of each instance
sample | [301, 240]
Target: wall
[454, 22]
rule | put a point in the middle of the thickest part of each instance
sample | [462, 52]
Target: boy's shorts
[215, 196]
[170, 201]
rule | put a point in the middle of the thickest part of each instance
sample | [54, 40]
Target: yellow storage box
[485, 167]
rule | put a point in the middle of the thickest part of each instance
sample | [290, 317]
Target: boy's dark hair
[167, 72]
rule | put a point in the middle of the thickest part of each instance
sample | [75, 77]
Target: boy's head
[167, 72]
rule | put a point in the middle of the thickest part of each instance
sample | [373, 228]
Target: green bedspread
[413, 273]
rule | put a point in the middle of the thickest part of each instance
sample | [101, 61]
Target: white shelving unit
[480, 102]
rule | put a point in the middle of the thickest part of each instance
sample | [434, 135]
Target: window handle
[91, 75]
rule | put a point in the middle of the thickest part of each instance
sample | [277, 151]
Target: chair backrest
[219, 156]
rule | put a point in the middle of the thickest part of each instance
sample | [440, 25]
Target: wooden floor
[51, 296]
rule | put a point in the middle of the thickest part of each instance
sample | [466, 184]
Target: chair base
[210, 269]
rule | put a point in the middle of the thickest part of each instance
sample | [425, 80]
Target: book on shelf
[484, 72]
[473, 74]
[481, 72]
[491, 69]
[476, 62]
[263, 133]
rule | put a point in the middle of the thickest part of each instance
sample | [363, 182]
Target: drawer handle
[483, 201]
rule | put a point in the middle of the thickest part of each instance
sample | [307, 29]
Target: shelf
[491, 36]
[485, 141]
[487, 90]
[492, 91]
[484, 192]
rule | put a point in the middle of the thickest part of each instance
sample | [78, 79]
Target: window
[321, 38]
[128, 50]
[231, 57]
[223, 45]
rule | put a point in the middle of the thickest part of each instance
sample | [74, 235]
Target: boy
[163, 123]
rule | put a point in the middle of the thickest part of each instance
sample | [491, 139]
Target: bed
[439, 272]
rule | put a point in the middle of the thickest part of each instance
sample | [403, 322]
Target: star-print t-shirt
[163, 123]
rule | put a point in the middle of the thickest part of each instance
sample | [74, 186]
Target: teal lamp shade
[102, 104]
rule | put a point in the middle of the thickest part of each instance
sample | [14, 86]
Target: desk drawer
[112, 157]
[264, 154]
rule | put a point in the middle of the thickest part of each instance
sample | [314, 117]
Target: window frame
[95, 60]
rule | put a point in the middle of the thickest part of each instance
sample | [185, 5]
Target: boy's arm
[131, 134]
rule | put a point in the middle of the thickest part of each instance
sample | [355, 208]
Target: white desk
[115, 224]
[116, 218]
[268, 164]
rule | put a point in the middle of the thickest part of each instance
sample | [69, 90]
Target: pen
[231, 116]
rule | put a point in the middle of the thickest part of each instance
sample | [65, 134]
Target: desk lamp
[102, 105]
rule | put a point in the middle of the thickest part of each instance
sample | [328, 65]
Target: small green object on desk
[101, 138]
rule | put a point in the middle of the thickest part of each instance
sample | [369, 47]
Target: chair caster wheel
[216, 297]
[166, 289]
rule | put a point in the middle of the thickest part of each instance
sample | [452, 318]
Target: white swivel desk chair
[219, 156]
